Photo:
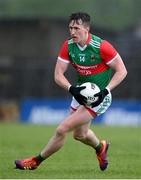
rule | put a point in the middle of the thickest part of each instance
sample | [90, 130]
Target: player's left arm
[120, 72]
[113, 60]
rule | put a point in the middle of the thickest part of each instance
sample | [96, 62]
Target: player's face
[78, 32]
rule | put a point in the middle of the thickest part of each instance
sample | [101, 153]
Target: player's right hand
[75, 91]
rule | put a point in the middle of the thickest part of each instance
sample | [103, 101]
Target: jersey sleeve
[63, 53]
[107, 52]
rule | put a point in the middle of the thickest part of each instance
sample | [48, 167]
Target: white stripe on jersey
[63, 60]
[113, 59]
[95, 42]
[94, 45]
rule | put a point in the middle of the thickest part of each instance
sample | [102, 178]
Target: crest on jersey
[92, 57]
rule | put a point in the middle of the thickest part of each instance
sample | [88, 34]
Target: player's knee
[61, 131]
[79, 137]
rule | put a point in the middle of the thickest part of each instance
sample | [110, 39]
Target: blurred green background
[113, 14]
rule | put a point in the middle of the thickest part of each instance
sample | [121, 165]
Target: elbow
[125, 73]
[55, 79]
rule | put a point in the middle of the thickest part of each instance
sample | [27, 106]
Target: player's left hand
[101, 95]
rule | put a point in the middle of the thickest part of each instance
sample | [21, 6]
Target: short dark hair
[80, 15]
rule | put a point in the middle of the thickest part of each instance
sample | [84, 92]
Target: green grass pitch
[74, 160]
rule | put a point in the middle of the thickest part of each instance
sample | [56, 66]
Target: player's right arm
[62, 81]
[59, 76]
[62, 66]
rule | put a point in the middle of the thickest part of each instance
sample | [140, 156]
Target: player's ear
[87, 28]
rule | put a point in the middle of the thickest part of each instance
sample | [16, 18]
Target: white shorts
[96, 111]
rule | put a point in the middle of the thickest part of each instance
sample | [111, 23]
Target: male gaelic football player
[94, 59]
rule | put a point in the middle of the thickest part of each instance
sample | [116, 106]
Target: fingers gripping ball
[89, 92]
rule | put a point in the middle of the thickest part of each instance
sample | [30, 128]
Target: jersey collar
[87, 42]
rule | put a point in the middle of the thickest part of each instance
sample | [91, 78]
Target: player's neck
[83, 42]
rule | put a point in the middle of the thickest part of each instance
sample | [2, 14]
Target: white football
[89, 92]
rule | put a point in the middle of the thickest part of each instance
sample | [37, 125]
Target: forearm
[117, 78]
[120, 73]
[59, 76]
[62, 81]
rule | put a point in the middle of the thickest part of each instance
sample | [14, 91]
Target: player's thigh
[80, 117]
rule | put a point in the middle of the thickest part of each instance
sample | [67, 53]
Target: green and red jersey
[91, 61]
